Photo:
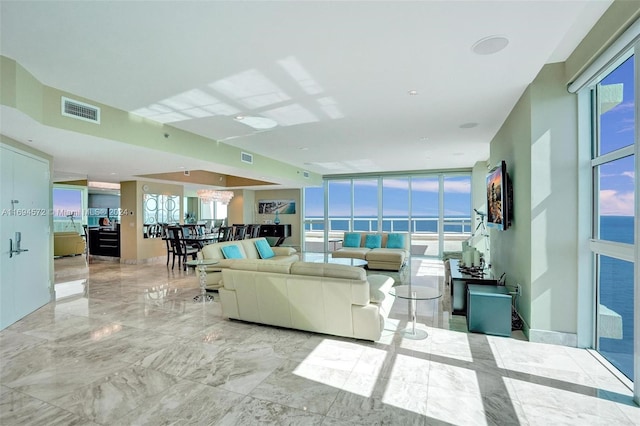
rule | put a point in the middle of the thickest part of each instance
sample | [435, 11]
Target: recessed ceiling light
[468, 125]
[239, 117]
[181, 167]
[303, 148]
[490, 45]
[424, 139]
[412, 92]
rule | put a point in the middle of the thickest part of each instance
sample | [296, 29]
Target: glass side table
[414, 293]
[201, 265]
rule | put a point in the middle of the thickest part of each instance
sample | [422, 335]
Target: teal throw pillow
[373, 241]
[395, 241]
[264, 249]
[232, 252]
[351, 239]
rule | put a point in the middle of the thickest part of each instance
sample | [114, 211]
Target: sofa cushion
[351, 252]
[351, 239]
[328, 270]
[232, 252]
[373, 241]
[395, 241]
[387, 255]
[261, 265]
[264, 249]
[283, 251]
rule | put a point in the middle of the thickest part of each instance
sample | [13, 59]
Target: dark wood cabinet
[279, 231]
[104, 242]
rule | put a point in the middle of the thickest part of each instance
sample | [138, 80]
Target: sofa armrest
[283, 251]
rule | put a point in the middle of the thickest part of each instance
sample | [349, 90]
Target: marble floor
[127, 345]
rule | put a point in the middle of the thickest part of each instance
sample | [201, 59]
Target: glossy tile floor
[126, 345]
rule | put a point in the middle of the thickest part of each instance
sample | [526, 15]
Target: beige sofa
[383, 257]
[325, 298]
[248, 250]
[67, 244]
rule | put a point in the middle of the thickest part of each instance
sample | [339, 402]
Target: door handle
[17, 250]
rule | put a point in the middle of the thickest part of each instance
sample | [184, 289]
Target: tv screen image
[498, 198]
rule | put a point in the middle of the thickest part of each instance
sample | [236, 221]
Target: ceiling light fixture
[209, 195]
[258, 123]
[412, 92]
[490, 45]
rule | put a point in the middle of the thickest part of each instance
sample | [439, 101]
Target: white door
[24, 202]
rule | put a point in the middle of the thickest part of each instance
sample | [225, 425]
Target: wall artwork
[273, 206]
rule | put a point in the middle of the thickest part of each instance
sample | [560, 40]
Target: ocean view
[616, 292]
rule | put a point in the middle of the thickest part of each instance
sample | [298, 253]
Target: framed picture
[273, 206]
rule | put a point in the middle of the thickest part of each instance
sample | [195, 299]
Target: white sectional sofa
[325, 298]
[247, 249]
[382, 250]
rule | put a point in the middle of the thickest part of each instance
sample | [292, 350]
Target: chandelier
[208, 195]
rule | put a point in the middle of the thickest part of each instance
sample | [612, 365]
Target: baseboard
[553, 337]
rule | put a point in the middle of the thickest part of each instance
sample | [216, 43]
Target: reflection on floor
[126, 344]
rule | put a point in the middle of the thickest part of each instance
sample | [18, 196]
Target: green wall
[539, 141]
[20, 90]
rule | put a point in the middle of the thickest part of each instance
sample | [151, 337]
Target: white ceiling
[335, 76]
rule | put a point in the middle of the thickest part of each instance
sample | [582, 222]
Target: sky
[617, 130]
[66, 201]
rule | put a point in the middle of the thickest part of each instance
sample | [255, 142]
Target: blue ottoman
[489, 309]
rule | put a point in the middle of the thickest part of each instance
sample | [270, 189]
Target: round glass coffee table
[201, 265]
[345, 261]
[413, 293]
[327, 258]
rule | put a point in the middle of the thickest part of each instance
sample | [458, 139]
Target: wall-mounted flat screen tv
[499, 198]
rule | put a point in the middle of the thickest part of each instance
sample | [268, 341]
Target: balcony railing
[421, 225]
[423, 232]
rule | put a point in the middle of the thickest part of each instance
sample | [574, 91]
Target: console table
[280, 231]
[459, 283]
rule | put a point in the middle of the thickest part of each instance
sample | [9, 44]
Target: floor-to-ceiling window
[395, 204]
[614, 196]
[214, 212]
[313, 208]
[365, 205]
[457, 205]
[413, 204]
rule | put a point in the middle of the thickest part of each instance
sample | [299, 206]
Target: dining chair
[239, 232]
[253, 231]
[180, 249]
[225, 233]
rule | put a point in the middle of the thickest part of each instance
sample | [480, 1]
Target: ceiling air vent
[305, 174]
[245, 157]
[80, 110]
